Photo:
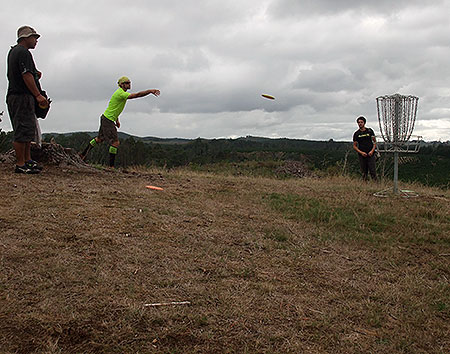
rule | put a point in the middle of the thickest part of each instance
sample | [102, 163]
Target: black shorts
[23, 117]
[108, 130]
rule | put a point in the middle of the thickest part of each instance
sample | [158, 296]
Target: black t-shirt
[20, 61]
[364, 139]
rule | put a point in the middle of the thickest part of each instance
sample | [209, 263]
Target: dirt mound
[295, 168]
[49, 154]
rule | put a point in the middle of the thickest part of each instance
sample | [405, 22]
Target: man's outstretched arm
[144, 93]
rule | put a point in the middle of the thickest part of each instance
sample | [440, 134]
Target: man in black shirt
[23, 91]
[364, 144]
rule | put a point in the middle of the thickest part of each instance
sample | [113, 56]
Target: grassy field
[314, 265]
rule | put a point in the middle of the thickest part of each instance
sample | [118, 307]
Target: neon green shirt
[116, 104]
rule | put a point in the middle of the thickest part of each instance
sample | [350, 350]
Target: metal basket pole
[395, 131]
[396, 118]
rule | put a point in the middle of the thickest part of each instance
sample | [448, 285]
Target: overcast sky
[325, 61]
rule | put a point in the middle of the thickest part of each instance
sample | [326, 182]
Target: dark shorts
[23, 117]
[108, 130]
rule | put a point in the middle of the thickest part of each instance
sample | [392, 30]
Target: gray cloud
[325, 61]
[296, 8]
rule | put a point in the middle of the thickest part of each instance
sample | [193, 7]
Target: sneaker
[26, 169]
[33, 165]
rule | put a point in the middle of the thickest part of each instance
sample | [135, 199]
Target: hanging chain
[396, 117]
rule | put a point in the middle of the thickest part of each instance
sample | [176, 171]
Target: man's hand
[42, 101]
[117, 124]
[363, 154]
[155, 92]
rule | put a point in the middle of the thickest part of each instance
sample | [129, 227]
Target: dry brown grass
[311, 265]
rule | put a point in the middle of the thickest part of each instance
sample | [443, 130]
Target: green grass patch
[279, 235]
[441, 307]
[348, 220]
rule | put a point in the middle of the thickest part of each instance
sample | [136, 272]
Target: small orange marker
[155, 188]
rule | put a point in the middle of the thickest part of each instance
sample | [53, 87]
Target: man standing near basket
[364, 144]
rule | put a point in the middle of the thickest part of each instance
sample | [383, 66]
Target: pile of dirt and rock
[49, 154]
[295, 169]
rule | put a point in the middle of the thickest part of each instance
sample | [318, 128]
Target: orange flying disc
[270, 97]
[154, 188]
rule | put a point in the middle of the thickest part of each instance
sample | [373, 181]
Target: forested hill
[257, 156]
[264, 156]
[249, 142]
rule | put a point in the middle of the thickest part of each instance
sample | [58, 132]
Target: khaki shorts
[108, 130]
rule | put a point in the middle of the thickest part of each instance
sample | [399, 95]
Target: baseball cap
[26, 31]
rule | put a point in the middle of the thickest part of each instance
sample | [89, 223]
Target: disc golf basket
[396, 117]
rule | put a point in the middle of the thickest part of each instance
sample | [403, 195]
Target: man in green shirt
[109, 121]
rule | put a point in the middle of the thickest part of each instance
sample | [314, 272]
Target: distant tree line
[134, 151]
[431, 166]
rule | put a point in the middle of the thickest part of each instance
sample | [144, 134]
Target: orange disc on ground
[155, 188]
